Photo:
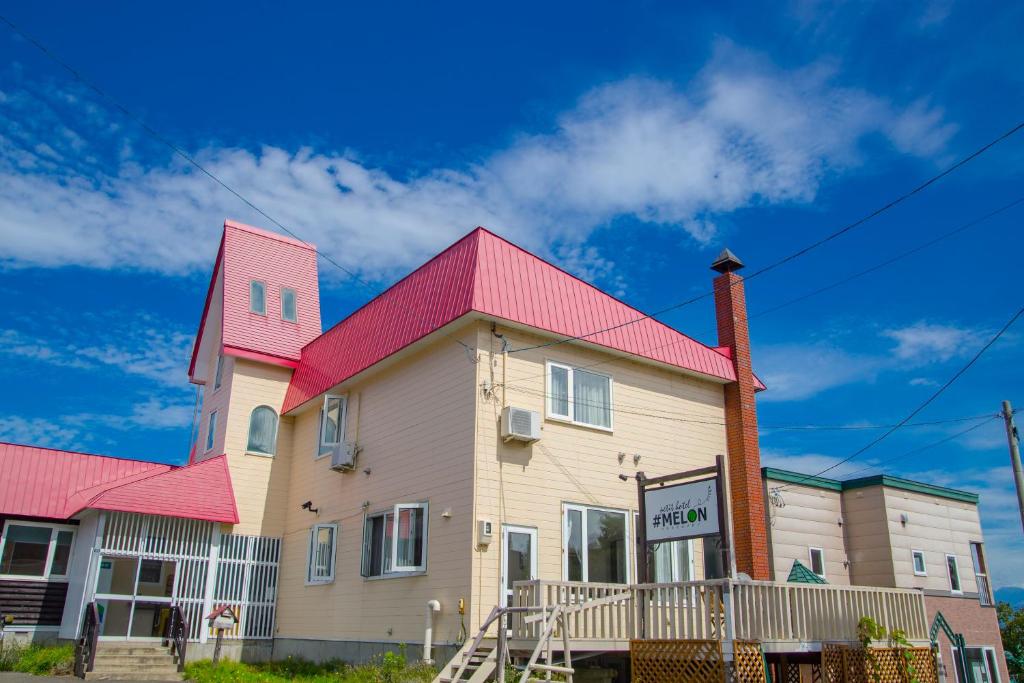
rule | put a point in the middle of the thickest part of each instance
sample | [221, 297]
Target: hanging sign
[682, 511]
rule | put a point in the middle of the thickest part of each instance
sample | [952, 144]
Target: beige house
[454, 467]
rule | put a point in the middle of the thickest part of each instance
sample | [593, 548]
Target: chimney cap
[727, 262]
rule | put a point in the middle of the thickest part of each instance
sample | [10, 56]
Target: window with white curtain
[395, 541]
[211, 431]
[596, 544]
[332, 424]
[262, 431]
[257, 297]
[288, 308]
[579, 396]
[323, 542]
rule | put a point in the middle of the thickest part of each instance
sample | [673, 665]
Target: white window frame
[924, 562]
[395, 570]
[570, 419]
[211, 432]
[262, 284]
[54, 529]
[566, 507]
[986, 649]
[959, 578]
[313, 533]
[295, 297]
[277, 426]
[810, 560]
[218, 374]
[342, 426]
[675, 567]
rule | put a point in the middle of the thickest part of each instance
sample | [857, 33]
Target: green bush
[390, 667]
[41, 660]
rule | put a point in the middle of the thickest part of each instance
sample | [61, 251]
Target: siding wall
[937, 526]
[809, 517]
[528, 484]
[867, 538]
[414, 421]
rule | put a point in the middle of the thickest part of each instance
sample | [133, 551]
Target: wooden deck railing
[721, 609]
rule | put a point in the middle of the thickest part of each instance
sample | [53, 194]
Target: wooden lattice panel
[790, 673]
[832, 666]
[816, 673]
[888, 665]
[748, 666]
[923, 661]
[677, 661]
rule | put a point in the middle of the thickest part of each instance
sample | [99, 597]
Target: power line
[878, 266]
[624, 409]
[156, 135]
[926, 403]
[953, 437]
[800, 252]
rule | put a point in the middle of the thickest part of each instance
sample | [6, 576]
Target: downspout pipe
[428, 633]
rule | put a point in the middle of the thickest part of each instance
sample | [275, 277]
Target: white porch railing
[722, 609]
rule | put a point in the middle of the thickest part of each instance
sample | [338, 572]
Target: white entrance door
[134, 596]
[519, 546]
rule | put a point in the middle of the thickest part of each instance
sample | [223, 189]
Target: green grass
[389, 668]
[41, 660]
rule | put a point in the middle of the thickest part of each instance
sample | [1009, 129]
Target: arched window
[262, 431]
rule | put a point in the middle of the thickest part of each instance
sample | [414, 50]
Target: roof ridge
[91, 455]
[269, 234]
[389, 288]
[136, 480]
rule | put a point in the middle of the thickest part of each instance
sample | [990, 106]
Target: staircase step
[554, 668]
[132, 676]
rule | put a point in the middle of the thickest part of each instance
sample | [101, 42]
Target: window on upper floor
[218, 375]
[395, 541]
[920, 567]
[596, 544]
[258, 297]
[262, 431]
[30, 549]
[579, 396]
[289, 310]
[954, 574]
[332, 424]
[322, 552]
[817, 560]
[211, 431]
[981, 574]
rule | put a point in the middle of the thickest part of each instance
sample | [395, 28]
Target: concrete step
[135, 676]
[140, 657]
[134, 666]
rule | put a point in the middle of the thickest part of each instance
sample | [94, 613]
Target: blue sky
[629, 145]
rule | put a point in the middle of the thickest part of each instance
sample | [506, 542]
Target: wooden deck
[784, 617]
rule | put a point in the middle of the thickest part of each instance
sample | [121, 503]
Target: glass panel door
[520, 546]
[133, 596]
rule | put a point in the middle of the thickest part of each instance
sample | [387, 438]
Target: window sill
[574, 423]
[260, 455]
[394, 575]
[924, 575]
[319, 583]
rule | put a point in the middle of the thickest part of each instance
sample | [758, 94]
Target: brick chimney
[750, 537]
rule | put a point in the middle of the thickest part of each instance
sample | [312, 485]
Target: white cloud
[923, 342]
[37, 432]
[812, 463]
[135, 345]
[153, 413]
[794, 372]
[741, 133]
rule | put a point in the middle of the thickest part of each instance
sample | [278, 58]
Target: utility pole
[1018, 472]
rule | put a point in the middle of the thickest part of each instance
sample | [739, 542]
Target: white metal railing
[722, 609]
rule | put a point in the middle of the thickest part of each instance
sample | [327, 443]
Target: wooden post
[641, 535]
[723, 517]
[216, 646]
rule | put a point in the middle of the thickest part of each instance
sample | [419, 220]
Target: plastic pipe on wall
[428, 634]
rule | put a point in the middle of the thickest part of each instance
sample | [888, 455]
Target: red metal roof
[45, 482]
[247, 253]
[489, 275]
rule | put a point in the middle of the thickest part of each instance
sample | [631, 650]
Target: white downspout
[428, 634]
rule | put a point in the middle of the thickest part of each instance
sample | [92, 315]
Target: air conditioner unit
[518, 424]
[343, 457]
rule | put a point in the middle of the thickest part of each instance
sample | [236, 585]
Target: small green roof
[801, 574]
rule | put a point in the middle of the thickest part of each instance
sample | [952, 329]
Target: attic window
[288, 311]
[257, 297]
